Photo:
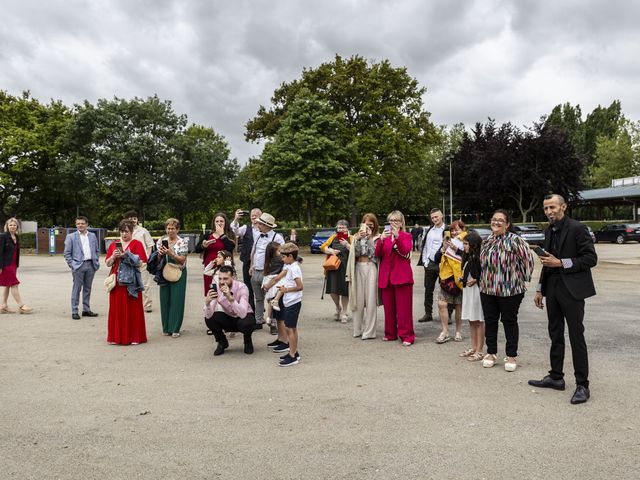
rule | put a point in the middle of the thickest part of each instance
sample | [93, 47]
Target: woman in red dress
[9, 262]
[219, 238]
[126, 324]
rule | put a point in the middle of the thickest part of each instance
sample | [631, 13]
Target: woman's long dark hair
[474, 240]
[227, 228]
[269, 253]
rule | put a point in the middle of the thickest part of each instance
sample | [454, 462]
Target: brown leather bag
[331, 263]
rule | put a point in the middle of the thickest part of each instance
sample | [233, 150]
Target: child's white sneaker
[274, 305]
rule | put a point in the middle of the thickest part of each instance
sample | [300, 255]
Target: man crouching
[227, 309]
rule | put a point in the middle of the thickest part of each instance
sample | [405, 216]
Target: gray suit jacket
[73, 251]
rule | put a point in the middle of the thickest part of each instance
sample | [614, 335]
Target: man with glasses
[565, 281]
[430, 243]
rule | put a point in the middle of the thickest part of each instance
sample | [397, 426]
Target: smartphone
[387, 227]
[342, 236]
[244, 213]
[363, 227]
[447, 234]
[119, 245]
[165, 243]
[540, 251]
[213, 287]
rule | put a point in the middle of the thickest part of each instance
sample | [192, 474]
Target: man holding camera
[247, 235]
[227, 309]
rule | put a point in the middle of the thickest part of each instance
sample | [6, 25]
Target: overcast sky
[218, 61]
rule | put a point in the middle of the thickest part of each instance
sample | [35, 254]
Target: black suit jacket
[6, 250]
[576, 244]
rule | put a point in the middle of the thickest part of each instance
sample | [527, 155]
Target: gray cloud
[218, 61]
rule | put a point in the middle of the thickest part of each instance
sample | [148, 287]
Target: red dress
[8, 276]
[210, 254]
[126, 323]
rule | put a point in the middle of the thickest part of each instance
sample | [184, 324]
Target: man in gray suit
[82, 255]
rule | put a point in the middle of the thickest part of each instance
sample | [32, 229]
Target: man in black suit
[566, 281]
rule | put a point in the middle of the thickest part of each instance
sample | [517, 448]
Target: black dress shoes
[425, 318]
[548, 382]
[248, 347]
[89, 314]
[581, 395]
[75, 316]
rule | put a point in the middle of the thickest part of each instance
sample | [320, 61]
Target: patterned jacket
[506, 263]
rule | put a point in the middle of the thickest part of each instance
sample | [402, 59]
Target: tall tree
[617, 157]
[386, 128]
[305, 166]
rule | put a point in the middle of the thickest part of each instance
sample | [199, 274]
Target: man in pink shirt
[227, 309]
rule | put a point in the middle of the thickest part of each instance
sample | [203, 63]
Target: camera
[244, 213]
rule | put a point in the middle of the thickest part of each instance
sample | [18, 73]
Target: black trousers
[560, 306]
[247, 281]
[504, 309]
[220, 322]
[430, 278]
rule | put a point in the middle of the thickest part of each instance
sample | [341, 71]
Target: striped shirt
[506, 263]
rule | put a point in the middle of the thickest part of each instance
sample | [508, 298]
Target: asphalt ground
[73, 407]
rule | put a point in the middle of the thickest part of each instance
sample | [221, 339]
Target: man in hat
[247, 235]
[265, 223]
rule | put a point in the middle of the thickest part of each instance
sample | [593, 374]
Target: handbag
[172, 272]
[110, 282]
[449, 285]
[331, 263]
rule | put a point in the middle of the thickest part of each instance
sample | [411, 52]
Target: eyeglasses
[498, 220]
[395, 220]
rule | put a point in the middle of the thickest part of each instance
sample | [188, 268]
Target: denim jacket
[155, 266]
[129, 275]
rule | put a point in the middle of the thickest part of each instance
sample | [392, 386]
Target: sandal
[175, 335]
[458, 337]
[443, 338]
[489, 360]
[6, 309]
[475, 357]
[25, 309]
[509, 366]
[467, 353]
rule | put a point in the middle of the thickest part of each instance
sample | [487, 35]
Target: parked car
[532, 234]
[619, 233]
[483, 232]
[318, 239]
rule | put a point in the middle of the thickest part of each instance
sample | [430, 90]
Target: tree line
[347, 137]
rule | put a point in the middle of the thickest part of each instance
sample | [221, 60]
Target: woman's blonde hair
[11, 220]
[397, 214]
[172, 221]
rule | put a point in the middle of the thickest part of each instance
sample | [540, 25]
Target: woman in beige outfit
[362, 274]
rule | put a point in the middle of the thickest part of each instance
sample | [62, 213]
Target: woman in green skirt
[172, 294]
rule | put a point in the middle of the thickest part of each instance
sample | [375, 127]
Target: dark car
[483, 232]
[318, 239]
[532, 234]
[619, 233]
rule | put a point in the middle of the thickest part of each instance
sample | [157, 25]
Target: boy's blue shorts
[291, 314]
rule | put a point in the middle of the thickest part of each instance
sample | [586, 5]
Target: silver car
[532, 234]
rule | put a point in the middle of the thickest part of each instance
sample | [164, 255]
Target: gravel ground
[73, 407]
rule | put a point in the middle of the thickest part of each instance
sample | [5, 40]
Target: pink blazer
[394, 267]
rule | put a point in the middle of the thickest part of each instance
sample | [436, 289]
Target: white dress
[471, 304]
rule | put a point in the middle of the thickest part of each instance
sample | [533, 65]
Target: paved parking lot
[73, 407]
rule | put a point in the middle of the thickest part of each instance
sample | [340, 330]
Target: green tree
[305, 166]
[129, 144]
[203, 172]
[617, 157]
[386, 129]
[30, 152]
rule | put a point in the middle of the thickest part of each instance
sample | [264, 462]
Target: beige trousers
[365, 314]
[146, 295]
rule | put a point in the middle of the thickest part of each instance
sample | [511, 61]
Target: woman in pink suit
[395, 280]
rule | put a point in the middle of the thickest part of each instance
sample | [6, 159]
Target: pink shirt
[239, 308]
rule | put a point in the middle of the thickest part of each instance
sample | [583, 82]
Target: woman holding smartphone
[219, 238]
[362, 275]
[126, 325]
[338, 244]
[395, 280]
[9, 263]
[172, 294]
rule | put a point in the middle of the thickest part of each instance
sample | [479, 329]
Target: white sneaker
[509, 366]
[489, 360]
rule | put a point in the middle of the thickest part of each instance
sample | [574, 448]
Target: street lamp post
[450, 191]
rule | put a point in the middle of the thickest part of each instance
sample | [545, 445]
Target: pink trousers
[398, 312]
